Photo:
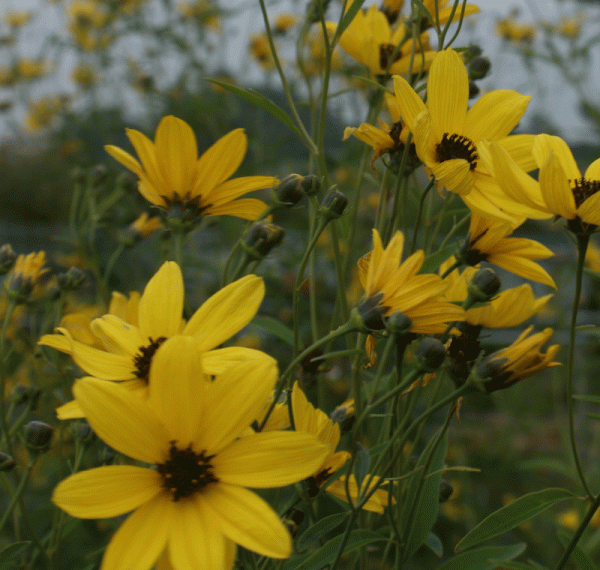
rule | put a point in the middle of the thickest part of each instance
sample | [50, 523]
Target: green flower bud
[98, 175]
[38, 436]
[484, 285]
[7, 258]
[479, 67]
[398, 323]
[6, 462]
[290, 190]
[262, 238]
[72, 280]
[430, 354]
[368, 316]
[82, 431]
[333, 204]
[311, 184]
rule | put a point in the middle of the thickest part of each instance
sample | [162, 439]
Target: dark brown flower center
[143, 359]
[386, 55]
[184, 207]
[457, 146]
[186, 472]
[583, 189]
[314, 483]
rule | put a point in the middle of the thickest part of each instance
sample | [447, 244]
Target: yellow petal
[455, 175]
[117, 336]
[226, 312]
[124, 158]
[520, 149]
[544, 144]
[195, 542]
[122, 419]
[107, 491]
[102, 364]
[236, 187]
[409, 102]
[247, 520]
[220, 161]
[555, 188]
[244, 208]
[271, 459]
[142, 537]
[69, 411]
[523, 267]
[593, 171]
[219, 360]
[589, 211]
[161, 304]
[176, 154]
[447, 94]
[144, 147]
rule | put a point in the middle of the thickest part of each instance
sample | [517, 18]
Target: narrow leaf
[348, 17]
[485, 558]
[13, 550]
[317, 531]
[512, 515]
[590, 399]
[274, 327]
[434, 544]
[361, 464]
[579, 556]
[432, 262]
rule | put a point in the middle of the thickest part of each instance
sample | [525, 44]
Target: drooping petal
[106, 491]
[122, 419]
[142, 537]
[176, 154]
[117, 336]
[233, 401]
[519, 147]
[495, 114]
[448, 94]
[455, 175]
[195, 542]
[226, 312]
[161, 304]
[219, 162]
[375, 503]
[102, 364]
[523, 267]
[272, 459]
[124, 158]
[248, 520]
[177, 385]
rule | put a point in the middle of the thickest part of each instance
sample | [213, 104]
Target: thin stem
[429, 186]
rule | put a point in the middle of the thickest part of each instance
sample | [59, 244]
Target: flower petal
[248, 520]
[102, 364]
[555, 188]
[271, 459]
[244, 208]
[236, 187]
[589, 211]
[124, 158]
[220, 359]
[593, 171]
[411, 105]
[455, 175]
[69, 411]
[161, 304]
[142, 537]
[117, 336]
[155, 182]
[226, 312]
[106, 491]
[544, 144]
[122, 419]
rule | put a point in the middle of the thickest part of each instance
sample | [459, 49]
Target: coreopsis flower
[570, 27]
[370, 40]
[561, 189]
[310, 420]
[521, 359]
[193, 432]
[509, 29]
[130, 345]
[387, 139]
[87, 22]
[487, 241]
[508, 308]
[84, 75]
[393, 286]
[25, 275]
[447, 135]
[171, 174]
[41, 113]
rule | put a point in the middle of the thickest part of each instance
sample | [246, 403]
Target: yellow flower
[570, 27]
[310, 420]
[25, 275]
[561, 190]
[370, 41]
[204, 12]
[171, 173]
[87, 20]
[30, 68]
[283, 22]
[395, 286]
[518, 361]
[592, 257]
[510, 30]
[487, 241]
[260, 50]
[84, 75]
[447, 134]
[18, 18]
[41, 113]
[193, 430]
[392, 8]
[130, 345]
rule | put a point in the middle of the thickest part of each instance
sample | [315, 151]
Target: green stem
[3, 415]
[429, 186]
[582, 244]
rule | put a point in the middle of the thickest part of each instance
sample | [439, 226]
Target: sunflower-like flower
[310, 420]
[523, 358]
[387, 139]
[25, 275]
[561, 189]
[172, 175]
[370, 40]
[392, 9]
[447, 135]
[394, 286]
[487, 241]
[129, 348]
[193, 431]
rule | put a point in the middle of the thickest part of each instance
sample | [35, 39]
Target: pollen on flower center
[385, 55]
[583, 189]
[457, 146]
[144, 358]
[186, 472]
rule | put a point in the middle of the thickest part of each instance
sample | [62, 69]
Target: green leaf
[317, 531]
[512, 515]
[11, 551]
[423, 505]
[275, 327]
[265, 104]
[432, 262]
[327, 552]
[434, 544]
[519, 566]
[549, 464]
[361, 464]
[348, 17]
[485, 558]
[579, 556]
[590, 399]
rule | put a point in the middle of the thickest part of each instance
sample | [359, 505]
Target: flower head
[309, 419]
[130, 345]
[172, 175]
[25, 275]
[194, 431]
[395, 286]
[447, 134]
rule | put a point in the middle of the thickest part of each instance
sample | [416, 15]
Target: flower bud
[333, 204]
[262, 238]
[311, 184]
[6, 462]
[72, 280]
[22, 394]
[7, 258]
[430, 354]
[484, 285]
[446, 490]
[82, 431]
[368, 316]
[398, 323]
[479, 67]
[471, 53]
[78, 175]
[290, 190]
[38, 436]
[473, 89]
[98, 175]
